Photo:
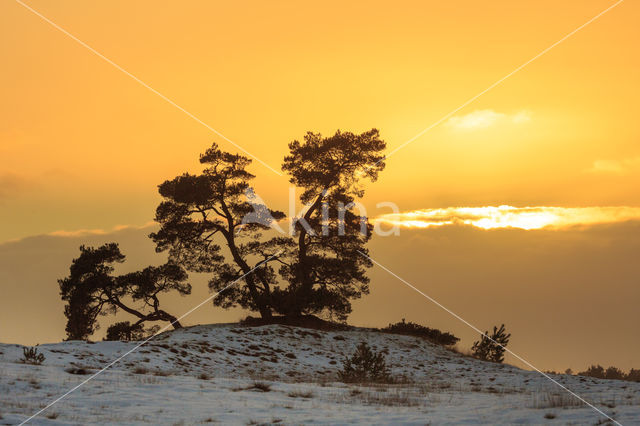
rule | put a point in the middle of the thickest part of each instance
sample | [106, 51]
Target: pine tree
[327, 267]
[364, 366]
[201, 213]
[491, 348]
[92, 290]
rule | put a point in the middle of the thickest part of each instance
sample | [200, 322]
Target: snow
[207, 374]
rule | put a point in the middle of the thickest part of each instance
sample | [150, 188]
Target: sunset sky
[83, 145]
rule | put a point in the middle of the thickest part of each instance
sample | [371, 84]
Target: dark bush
[365, 366]
[614, 373]
[413, 329]
[491, 348]
[260, 386]
[633, 375]
[611, 373]
[596, 371]
[78, 370]
[31, 356]
[125, 331]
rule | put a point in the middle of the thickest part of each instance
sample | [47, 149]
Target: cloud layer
[481, 119]
[491, 217]
[626, 165]
[11, 185]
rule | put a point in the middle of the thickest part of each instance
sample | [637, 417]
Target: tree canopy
[92, 290]
[327, 267]
[200, 212]
[210, 223]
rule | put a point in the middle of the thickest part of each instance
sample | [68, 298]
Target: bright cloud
[625, 165]
[481, 119]
[90, 232]
[521, 117]
[491, 217]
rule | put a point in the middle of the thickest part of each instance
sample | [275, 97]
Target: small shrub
[77, 370]
[365, 365]
[31, 356]
[125, 331]
[491, 348]
[413, 329]
[300, 394]
[550, 416]
[140, 370]
[204, 376]
[260, 386]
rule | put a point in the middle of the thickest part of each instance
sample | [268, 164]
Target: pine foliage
[492, 348]
[365, 366]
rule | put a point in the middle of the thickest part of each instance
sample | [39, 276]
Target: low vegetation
[300, 394]
[255, 386]
[491, 347]
[413, 329]
[612, 373]
[31, 356]
[78, 371]
[546, 400]
[365, 366]
[125, 331]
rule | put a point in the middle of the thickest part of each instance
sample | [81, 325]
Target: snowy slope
[207, 374]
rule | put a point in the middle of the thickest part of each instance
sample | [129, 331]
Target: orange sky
[83, 146]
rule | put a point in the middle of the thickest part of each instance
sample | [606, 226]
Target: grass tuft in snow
[555, 400]
[300, 394]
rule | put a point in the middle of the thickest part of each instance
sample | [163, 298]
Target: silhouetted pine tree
[327, 269]
[365, 365]
[491, 348]
[202, 211]
[91, 290]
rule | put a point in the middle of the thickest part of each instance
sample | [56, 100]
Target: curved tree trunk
[158, 315]
[263, 308]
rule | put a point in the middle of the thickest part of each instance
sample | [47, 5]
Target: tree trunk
[263, 308]
[158, 315]
[171, 319]
[305, 282]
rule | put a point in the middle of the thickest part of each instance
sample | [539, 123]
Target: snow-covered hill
[281, 374]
